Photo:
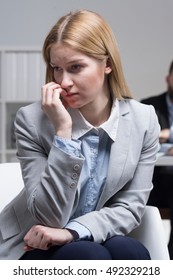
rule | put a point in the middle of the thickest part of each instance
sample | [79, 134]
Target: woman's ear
[108, 68]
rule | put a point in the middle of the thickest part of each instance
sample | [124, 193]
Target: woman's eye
[76, 68]
[57, 69]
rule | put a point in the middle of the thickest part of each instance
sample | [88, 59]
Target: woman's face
[82, 77]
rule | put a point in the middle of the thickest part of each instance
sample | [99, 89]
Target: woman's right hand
[55, 109]
[42, 237]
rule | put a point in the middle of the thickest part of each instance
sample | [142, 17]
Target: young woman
[87, 153]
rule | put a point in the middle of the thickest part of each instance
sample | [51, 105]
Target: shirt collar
[81, 126]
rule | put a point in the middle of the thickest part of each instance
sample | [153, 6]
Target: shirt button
[76, 167]
[73, 185]
[74, 176]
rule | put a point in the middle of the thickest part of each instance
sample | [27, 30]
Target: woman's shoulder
[32, 107]
[32, 114]
[31, 111]
[139, 113]
[136, 107]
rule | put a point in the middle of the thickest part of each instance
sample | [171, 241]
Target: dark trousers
[115, 248]
[162, 195]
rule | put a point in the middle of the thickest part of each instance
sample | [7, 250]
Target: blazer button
[73, 185]
[76, 167]
[74, 176]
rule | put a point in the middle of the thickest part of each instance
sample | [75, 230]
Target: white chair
[150, 232]
[11, 182]
[152, 235]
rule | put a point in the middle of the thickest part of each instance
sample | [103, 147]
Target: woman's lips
[71, 94]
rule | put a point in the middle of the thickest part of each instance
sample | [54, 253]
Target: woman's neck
[97, 114]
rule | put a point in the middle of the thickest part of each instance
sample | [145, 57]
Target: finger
[39, 239]
[45, 241]
[32, 238]
[56, 95]
[28, 248]
[47, 91]
[44, 90]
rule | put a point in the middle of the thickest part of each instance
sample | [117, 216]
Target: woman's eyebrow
[69, 62]
[75, 61]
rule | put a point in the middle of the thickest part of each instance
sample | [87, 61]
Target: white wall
[143, 29]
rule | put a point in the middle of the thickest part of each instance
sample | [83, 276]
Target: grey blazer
[51, 193]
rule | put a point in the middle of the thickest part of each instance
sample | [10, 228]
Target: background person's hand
[164, 135]
[170, 152]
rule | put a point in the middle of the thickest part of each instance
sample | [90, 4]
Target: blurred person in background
[162, 193]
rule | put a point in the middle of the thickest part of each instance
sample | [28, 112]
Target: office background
[143, 30]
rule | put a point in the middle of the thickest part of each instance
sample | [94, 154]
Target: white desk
[164, 161]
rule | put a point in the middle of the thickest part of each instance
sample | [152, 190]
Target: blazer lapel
[118, 155]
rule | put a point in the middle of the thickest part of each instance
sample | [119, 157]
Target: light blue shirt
[93, 144]
[166, 146]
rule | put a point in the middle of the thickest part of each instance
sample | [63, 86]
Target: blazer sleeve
[50, 184]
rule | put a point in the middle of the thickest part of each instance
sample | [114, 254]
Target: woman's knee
[126, 248]
[82, 250]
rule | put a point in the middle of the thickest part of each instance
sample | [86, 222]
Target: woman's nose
[66, 80]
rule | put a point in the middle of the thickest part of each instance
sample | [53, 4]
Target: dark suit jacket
[161, 195]
[159, 103]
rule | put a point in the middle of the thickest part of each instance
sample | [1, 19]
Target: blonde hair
[87, 32]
